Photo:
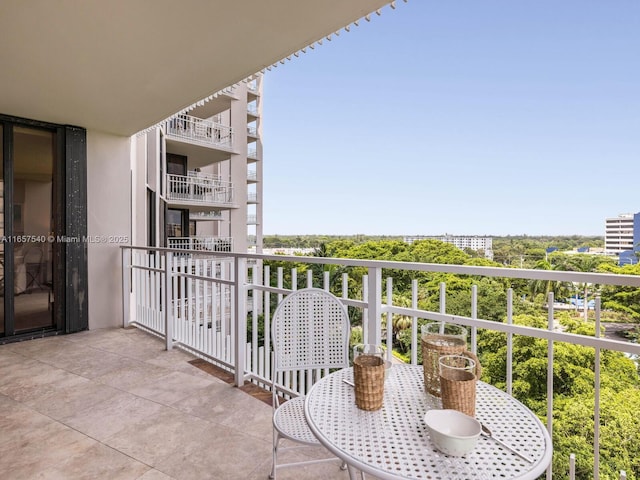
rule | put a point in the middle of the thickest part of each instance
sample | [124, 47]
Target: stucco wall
[108, 224]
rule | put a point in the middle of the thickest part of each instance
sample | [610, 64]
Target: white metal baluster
[550, 378]
[294, 279]
[389, 317]
[125, 255]
[267, 324]
[280, 279]
[474, 315]
[168, 317]
[596, 416]
[510, 342]
[414, 322]
[254, 321]
[623, 475]
[443, 298]
[365, 311]
[309, 278]
[325, 281]
[345, 285]
[374, 299]
[190, 299]
[572, 466]
[197, 316]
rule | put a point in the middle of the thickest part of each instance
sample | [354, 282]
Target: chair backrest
[310, 330]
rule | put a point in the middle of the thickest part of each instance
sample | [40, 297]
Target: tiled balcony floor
[113, 404]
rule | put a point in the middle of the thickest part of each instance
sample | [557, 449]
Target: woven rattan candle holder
[433, 347]
[458, 386]
[368, 377]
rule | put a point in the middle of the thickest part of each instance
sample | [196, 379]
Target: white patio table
[393, 443]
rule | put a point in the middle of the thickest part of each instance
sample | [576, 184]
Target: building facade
[622, 237]
[473, 242]
[78, 182]
[198, 175]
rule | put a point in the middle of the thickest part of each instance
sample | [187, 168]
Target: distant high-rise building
[622, 233]
[473, 242]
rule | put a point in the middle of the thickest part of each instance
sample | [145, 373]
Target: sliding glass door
[27, 229]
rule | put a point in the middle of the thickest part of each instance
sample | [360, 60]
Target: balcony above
[205, 244]
[252, 219]
[252, 197]
[252, 154]
[212, 216]
[199, 192]
[252, 131]
[202, 132]
[252, 176]
[252, 111]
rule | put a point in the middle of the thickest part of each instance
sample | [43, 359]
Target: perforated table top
[394, 442]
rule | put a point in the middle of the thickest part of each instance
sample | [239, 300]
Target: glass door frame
[69, 208]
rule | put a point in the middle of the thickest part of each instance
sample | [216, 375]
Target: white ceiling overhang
[119, 66]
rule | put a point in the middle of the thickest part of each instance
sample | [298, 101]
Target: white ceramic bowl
[452, 432]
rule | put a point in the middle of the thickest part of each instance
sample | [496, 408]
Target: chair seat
[289, 420]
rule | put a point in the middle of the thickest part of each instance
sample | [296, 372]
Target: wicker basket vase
[433, 347]
[458, 387]
[368, 377]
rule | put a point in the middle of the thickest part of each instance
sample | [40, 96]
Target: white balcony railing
[252, 197]
[199, 188]
[205, 216]
[252, 131]
[197, 130]
[252, 153]
[252, 86]
[252, 219]
[202, 243]
[252, 109]
[146, 272]
[252, 175]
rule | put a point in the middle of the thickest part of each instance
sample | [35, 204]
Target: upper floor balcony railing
[206, 216]
[252, 109]
[252, 86]
[199, 188]
[252, 220]
[252, 175]
[252, 131]
[202, 243]
[252, 153]
[252, 197]
[518, 354]
[196, 130]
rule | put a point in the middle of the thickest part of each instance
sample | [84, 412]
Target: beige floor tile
[155, 438]
[44, 381]
[171, 387]
[229, 406]
[220, 452]
[70, 400]
[154, 474]
[98, 462]
[109, 417]
[132, 374]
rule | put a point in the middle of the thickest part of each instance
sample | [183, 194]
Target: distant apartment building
[474, 242]
[201, 170]
[622, 236]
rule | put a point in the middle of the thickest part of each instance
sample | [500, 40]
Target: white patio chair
[310, 335]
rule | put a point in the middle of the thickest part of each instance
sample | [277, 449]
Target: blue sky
[462, 117]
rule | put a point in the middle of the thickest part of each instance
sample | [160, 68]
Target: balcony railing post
[241, 319]
[167, 300]
[126, 286]
[374, 306]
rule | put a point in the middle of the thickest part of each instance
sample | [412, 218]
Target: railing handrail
[472, 270]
